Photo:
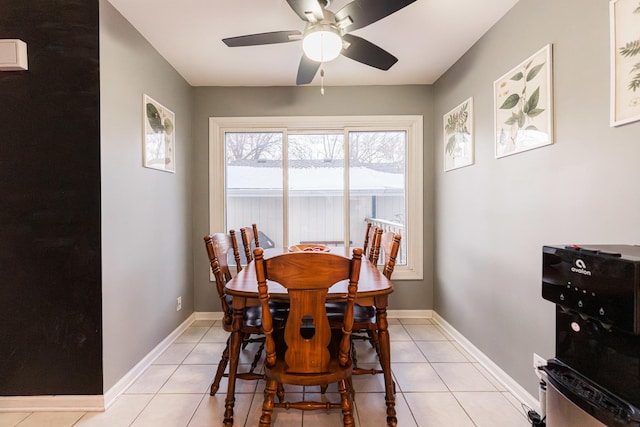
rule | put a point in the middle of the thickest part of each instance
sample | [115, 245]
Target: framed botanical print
[523, 105]
[458, 136]
[158, 141]
[625, 61]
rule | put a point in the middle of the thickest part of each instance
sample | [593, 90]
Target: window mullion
[347, 207]
[285, 187]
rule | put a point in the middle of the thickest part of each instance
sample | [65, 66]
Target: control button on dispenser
[580, 304]
[561, 297]
[601, 311]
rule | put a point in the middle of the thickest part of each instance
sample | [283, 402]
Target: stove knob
[601, 311]
[580, 304]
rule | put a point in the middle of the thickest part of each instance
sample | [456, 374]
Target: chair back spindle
[374, 253]
[236, 250]
[267, 321]
[365, 245]
[250, 237]
[390, 244]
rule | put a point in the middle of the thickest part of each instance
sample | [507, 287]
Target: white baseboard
[52, 403]
[124, 382]
[208, 315]
[410, 314]
[509, 383]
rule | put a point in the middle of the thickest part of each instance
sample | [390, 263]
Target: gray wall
[307, 101]
[492, 218]
[146, 214]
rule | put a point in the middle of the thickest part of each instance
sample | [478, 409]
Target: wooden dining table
[373, 291]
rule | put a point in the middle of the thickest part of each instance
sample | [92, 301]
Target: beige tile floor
[437, 382]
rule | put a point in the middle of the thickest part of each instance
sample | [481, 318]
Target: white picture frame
[158, 142]
[523, 105]
[458, 134]
[625, 61]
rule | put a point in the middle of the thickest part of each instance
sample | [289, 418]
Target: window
[318, 179]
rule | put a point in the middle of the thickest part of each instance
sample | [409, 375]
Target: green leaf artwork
[159, 136]
[456, 123]
[523, 105]
[457, 135]
[534, 72]
[631, 49]
[526, 106]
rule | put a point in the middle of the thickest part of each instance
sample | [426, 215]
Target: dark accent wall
[50, 260]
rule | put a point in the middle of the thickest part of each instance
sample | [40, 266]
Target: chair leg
[245, 341]
[267, 405]
[257, 357]
[372, 339]
[352, 390]
[375, 343]
[353, 353]
[222, 366]
[346, 404]
[280, 393]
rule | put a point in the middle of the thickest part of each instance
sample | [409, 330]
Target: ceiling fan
[326, 34]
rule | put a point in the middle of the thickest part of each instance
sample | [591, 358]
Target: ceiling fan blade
[263, 38]
[307, 8]
[307, 70]
[368, 53]
[365, 12]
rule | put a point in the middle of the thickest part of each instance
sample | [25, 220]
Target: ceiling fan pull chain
[322, 81]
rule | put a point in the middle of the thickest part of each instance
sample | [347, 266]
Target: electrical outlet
[538, 361]
[179, 304]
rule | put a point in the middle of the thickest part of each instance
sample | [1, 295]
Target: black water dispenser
[596, 369]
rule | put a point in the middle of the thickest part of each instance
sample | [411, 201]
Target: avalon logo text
[581, 267]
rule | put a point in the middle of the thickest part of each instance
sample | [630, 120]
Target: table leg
[234, 355]
[385, 361]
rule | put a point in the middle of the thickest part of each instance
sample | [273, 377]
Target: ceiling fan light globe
[322, 45]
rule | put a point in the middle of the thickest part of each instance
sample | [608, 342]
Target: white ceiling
[427, 37]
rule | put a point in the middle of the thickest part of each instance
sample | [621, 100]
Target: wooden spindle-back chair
[308, 351]
[364, 323]
[219, 246]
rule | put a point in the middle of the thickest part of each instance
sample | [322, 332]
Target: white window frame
[412, 124]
